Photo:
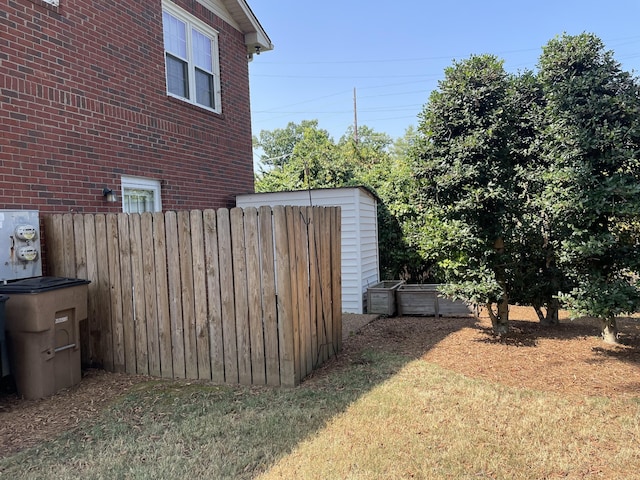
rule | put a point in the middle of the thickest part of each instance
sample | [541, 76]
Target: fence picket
[254, 296]
[329, 347]
[116, 298]
[200, 296]
[175, 296]
[150, 288]
[214, 314]
[129, 335]
[93, 320]
[138, 292]
[162, 297]
[188, 307]
[80, 270]
[269, 307]
[68, 264]
[289, 373]
[302, 275]
[103, 300]
[314, 286]
[240, 294]
[336, 278]
[226, 297]
[55, 241]
[295, 285]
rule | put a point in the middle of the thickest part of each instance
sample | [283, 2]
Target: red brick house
[149, 99]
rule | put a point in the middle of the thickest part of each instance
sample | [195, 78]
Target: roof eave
[255, 37]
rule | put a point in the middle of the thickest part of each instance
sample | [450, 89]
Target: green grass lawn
[382, 415]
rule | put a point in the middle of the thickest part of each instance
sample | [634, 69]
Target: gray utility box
[42, 323]
[381, 297]
[19, 244]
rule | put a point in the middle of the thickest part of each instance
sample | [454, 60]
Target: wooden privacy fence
[247, 296]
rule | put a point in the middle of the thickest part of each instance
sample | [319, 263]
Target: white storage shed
[360, 263]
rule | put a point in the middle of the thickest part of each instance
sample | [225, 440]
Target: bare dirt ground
[568, 359]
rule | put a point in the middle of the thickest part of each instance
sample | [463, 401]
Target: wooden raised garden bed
[426, 300]
[381, 297]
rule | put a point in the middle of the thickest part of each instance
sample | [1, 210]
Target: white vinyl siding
[359, 242]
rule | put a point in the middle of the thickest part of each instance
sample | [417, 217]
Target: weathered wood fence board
[238, 296]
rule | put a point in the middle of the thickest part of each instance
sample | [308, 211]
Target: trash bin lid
[41, 284]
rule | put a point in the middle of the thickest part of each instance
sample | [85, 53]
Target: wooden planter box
[425, 300]
[381, 298]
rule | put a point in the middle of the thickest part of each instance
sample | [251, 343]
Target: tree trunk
[499, 320]
[553, 309]
[609, 329]
[551, 316]
[538, 310]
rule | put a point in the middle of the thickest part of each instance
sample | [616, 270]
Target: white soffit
[238, 14]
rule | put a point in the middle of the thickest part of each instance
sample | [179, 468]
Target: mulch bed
[568, 359]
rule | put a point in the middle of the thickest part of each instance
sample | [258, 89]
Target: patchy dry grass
[392, 406]
[426, 422]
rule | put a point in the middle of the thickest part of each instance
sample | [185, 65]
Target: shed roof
[365, 189]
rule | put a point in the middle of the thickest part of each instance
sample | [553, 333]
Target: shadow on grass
[187, 429]
[190, 429]
[378, 351]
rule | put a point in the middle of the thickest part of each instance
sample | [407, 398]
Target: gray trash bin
[42, 324]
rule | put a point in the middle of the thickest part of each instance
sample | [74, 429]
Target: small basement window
[141, 195]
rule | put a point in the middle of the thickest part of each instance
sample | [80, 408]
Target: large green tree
[466, 165]
[532, 183]
[592, 179]
[537, 278]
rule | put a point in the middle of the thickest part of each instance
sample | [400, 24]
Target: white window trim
[207, 30]
[55, 3]
[140, 183]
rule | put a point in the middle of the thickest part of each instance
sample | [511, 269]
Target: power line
[612, 42]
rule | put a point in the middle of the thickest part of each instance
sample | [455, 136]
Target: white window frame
[55, 3]
[139, 183]
[204, 29]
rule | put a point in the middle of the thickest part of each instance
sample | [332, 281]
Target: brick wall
[83, 101]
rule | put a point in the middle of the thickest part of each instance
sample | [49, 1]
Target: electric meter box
[19, 244]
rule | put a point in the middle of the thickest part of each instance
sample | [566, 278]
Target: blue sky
[394, 53]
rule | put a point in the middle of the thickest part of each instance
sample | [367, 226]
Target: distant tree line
[302, 156]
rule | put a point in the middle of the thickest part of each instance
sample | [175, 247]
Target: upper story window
[191, 59]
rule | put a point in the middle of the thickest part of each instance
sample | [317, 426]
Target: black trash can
[42, 318]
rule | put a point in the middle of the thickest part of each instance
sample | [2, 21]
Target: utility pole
[355, 117]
